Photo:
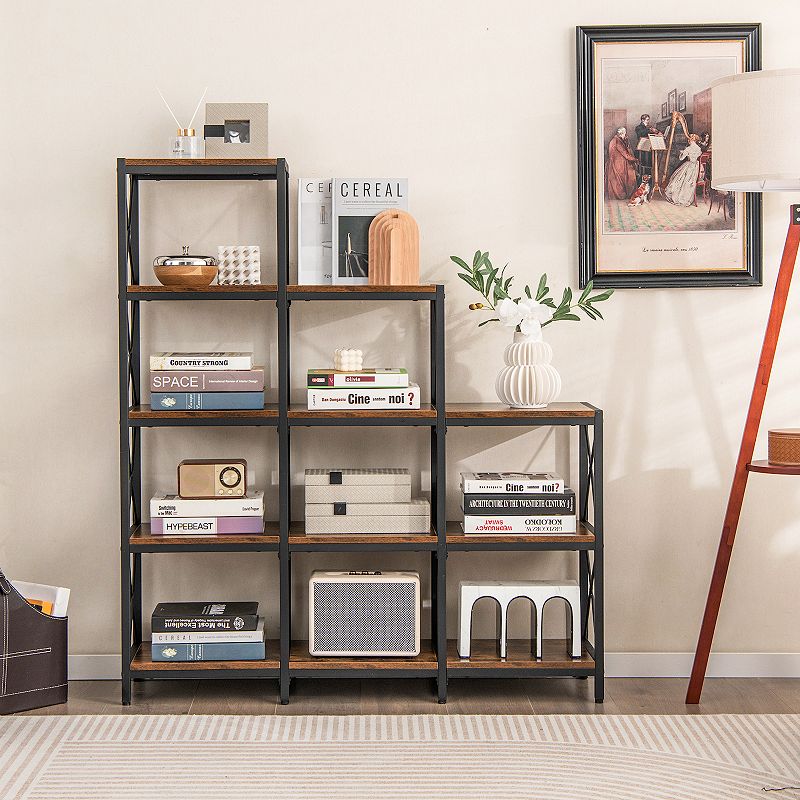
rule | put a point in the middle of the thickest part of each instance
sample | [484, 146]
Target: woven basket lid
[792, 432]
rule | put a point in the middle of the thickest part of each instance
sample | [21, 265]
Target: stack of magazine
[205, 382]
[511, 503]
[375, 389]
[207, 632]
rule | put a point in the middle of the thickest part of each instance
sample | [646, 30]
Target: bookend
[33, 654]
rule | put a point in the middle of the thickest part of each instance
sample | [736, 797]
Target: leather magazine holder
[33, 654]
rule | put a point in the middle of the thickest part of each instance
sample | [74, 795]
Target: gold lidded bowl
[185, 269]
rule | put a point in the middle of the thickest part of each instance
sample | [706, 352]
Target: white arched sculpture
[504, 592]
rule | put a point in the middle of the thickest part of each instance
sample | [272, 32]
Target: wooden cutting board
[393, 249]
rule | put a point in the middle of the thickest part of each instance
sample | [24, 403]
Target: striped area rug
[228, 758]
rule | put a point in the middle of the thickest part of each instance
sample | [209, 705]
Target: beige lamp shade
[755, 124]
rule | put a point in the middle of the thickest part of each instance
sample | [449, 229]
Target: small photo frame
[672, 101]
[236, 130]
[663, 111]
[682, 101]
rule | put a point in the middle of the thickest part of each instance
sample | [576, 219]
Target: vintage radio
[364, 614]
[784, 447]
[204, 479]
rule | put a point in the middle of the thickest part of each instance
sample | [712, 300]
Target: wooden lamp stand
[745, 463]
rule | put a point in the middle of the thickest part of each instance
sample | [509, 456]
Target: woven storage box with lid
[358, 486]
[784, 447]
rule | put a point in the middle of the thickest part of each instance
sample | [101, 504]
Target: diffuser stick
[169, 109]
[203, 97]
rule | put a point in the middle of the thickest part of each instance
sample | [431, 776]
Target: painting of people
[654, 207]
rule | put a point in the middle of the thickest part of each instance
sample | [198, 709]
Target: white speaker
[363, 614]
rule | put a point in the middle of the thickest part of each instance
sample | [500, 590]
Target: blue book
[206, 401]
[217, 651]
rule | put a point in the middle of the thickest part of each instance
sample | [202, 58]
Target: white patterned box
[239, 265]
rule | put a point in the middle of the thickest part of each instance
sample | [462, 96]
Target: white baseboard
[618, 665]
[720, 665]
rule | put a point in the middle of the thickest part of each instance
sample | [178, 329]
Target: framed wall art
[648, 215]
[236, 130]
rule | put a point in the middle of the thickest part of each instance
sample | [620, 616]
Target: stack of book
[354, 501]
[205, 382]
[363, 389]
[176, 516]
[207, 632]
[508, 503]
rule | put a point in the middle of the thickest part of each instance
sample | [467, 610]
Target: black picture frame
[663, 111]
[586, 38]
[682, 101]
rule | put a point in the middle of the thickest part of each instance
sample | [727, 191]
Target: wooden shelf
[494, 411]
[143, 540]
[301, 659]
[772, 469]
[201, 162]
[263, 291]
[142, 661]
[300, 414]
[300, 541]
[363, 291]
[457, 540]
[148, 416]
[485, 656]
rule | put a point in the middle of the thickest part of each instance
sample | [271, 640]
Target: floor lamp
[755, 124]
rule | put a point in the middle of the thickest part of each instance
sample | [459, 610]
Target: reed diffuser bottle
[185, 143]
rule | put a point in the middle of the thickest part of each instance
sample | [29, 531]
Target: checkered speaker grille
[365, 617]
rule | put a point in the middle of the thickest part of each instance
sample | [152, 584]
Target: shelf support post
[439, 488]
[597, 588]
[284, 463]
[739, 483]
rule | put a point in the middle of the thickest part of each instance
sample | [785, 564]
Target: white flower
[527, 314]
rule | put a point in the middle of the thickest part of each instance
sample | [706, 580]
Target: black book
[538, 505]
[205, 617]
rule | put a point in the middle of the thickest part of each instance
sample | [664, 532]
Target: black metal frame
[283, 420]
[586, 38]
[590, 554]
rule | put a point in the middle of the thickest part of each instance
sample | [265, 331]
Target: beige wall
[474, 102]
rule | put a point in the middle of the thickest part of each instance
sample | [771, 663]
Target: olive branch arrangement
[526, 314]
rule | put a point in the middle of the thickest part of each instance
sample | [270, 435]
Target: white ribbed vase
[528, 380]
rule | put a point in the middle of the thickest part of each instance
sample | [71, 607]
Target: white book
[314, 230]
[170, 505]
[363, 399]
[209, 637]
[511, 483]
[204, 361]
[356, 202]
[50, 600]
[500, 525]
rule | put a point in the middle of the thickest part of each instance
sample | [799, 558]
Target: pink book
[205, 526]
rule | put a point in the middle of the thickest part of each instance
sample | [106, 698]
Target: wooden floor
[414, 696]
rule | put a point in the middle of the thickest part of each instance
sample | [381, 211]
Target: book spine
[530, 505]
[207, 401]
[345, 379]
[251, 380]
[222, 651]
[477, 486]
[222, 622]
[518, 524]
[205, 525]
[203, 363]
[222, 507]
[363, 399]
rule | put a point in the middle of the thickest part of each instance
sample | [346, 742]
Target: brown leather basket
[784, 447]
[33, 654]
